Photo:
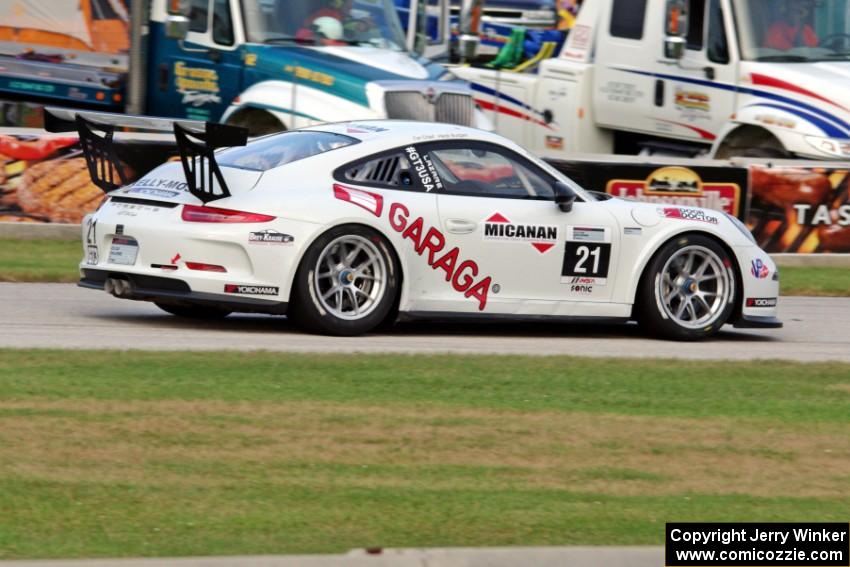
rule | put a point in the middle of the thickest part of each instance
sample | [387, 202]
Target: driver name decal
[424, 168]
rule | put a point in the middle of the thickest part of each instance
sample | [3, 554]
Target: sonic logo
[541, 237]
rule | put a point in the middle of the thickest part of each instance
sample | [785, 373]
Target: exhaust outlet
[118, 288]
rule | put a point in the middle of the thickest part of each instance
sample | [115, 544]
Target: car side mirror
[564, 196]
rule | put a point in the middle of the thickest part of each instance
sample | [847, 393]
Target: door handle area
[460, 226]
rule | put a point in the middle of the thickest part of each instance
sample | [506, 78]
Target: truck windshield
[794, 31]
[324, 22]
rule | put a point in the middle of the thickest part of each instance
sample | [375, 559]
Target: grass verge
[162, 454]
[57, 260]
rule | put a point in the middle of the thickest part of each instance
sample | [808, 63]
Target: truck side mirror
[469, 25]
[564, 196]
[179, 8]
[675, 28]
[176, 27]
[177, 20]
[674, 47]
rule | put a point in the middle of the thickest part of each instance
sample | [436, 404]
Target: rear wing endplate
[196, 143]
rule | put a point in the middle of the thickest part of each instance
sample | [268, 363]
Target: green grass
[163, 454]
[57, 260]
[39, 260]
[825, 282]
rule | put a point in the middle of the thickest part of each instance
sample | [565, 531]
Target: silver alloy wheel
[350, 277]
[694, 287]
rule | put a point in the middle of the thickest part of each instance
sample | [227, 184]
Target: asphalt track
[65, 316]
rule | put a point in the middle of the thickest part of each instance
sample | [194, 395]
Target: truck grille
[450, 108]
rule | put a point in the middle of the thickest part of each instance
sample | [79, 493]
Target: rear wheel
[688, 289]
[347, 282]
[194, 311]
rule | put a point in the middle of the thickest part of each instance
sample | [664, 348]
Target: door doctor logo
[679, 186]
[688, 214]
[270, 236]
[541, 237]
[251, 289]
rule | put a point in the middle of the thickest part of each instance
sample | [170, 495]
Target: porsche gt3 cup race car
[343, 226]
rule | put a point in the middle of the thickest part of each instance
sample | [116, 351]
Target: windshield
[794, 30]
[279, 149]
[324, 22]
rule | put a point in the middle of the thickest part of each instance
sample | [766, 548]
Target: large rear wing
[196, 144]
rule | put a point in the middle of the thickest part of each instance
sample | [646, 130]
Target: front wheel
[688, 290]
[346, 284]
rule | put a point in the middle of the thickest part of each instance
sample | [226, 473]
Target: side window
[199, 16]
[696, 24]
[222, 23]
[487, 172]
[718, 48]
[390, 171]
[627, 18]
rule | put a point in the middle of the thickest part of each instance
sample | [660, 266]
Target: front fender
[790, 129]
[670, 230]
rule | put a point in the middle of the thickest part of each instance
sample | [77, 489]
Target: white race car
[345, 226]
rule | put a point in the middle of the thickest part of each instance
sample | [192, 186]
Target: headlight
[742, 227]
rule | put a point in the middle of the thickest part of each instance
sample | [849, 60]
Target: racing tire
[346, 284]
[202, 312]
[688, 290]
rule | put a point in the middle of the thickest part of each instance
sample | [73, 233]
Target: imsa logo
[251, 289]
[541, 237]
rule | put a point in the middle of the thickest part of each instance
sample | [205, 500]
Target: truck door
[700, 93]
[198, 77]
[627, 50]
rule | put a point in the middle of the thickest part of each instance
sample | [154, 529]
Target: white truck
[761, 78]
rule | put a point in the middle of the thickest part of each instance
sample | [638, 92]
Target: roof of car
[393, 133]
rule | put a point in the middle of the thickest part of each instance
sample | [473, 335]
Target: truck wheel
[194, 311]
[346, 284]
[748, 141]
[258, 122]
[687, 291]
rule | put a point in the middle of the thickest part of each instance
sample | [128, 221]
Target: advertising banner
[800, 210]
[44, 177]
[721, 188]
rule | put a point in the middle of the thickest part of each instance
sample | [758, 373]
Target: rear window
[280, 149]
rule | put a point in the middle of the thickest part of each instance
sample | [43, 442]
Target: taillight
[195, 213]
[205, 267]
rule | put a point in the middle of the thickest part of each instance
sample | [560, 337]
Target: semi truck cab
[766, 78]
[280, 64]
[267, 65]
